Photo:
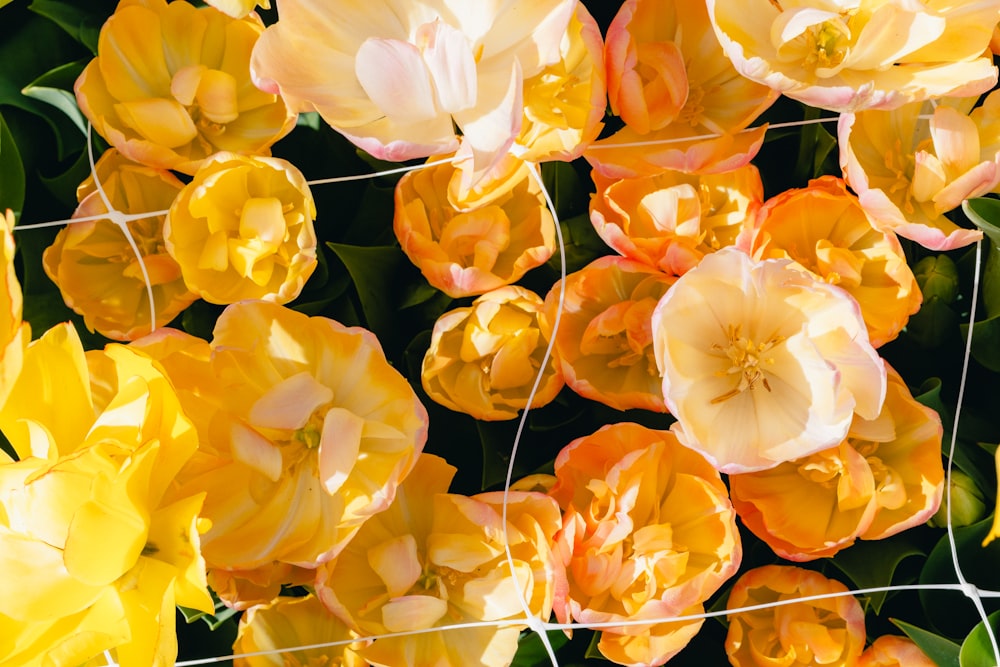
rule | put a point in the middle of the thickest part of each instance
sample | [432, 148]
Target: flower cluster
[285, 425]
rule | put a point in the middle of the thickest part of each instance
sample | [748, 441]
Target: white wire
[534, 623]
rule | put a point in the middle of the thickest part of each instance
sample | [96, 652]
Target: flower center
[746, 359]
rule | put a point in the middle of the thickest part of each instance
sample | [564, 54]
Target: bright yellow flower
[399, 89]
[762, 362]
[564, 103]
[907, 178]
[671, 220]
[291, 622]
[483, 359]
[14, 334]
[171, 85]
[648, 533]
[243, 229]
[305, 428]
[825, 230]
[848, 55]
[604, 341]
[673, 86]
[887, 476]
[894, 651]
[468, 243]
[828, 631]
[238, 8]
[95, 267]
[434, 559]
[96, 542]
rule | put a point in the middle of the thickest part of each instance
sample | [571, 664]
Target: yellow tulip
[94, 265]
[14, 333]
[434, 559]
[171, 85]
[483, 359]
[306, 431]
[243, 229]
[98, 543]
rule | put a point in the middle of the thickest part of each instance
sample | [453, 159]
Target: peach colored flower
[243, 589]
[829, 631]
[288, 623]
[848, 55]
[94, 265]
[483, 359]
[14, 333]
[671, 220]
[671, 83]
[306, 431]
[762, 362]
[648, 533]
[243, 229]
[399, 89]
[825, 230]
[97, 543]
[564, 103]
[894, 651]
[604, 340]
[171, 85]
[434, 559]
[885, 477]
[468, 244]
[907, 178]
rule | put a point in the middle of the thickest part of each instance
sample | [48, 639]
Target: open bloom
[825, 230]
[243, 229]
[848, 55]
[908, 175]
[238, 8]
[483, 360]
[96, 542]
[762, 362]
[398, 89]
[648, 532]
[94, 265]
[171, 85]
[894, 651]
[828, 631]
[287, 623]
[470, 244]
[670, 220]
[435, 559]
[604, 340]
[564, 103]
[671, 83]
[305, 428]
[887, 476]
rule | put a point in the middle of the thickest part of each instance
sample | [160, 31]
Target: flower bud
[937, 276]
[967, 503]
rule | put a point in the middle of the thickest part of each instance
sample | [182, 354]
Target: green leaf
[871, 564]
[565, 187]
[985, 341]
[977, 650]
[531, 652]
[943, 652]
[951, 612]
[375, 272]
[55, 88]
[81, 20]
[984, 213]
[11, 172]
